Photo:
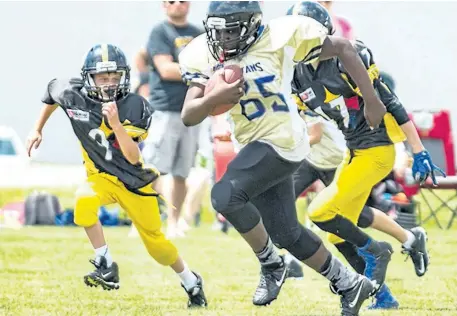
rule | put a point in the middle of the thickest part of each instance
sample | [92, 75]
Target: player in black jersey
[110, 122]
[325, 88]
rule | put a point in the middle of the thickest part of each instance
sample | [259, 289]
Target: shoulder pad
[283, 29]
[194, 61]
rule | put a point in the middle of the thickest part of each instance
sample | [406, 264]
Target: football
[231, 74]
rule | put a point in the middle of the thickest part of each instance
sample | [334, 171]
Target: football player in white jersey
[256, 193]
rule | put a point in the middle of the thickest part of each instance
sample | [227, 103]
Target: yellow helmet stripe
[105, 52]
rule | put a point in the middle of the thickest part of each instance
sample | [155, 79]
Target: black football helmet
[315, 11]
[232, 27]
[106, 58]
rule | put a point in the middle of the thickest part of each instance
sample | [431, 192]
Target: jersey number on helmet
[278, 101]
[98, 135]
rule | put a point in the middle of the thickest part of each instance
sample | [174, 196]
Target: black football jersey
[329, 91]
[101, 152]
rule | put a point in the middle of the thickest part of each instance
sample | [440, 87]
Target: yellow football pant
[101, 189]
[353, 182]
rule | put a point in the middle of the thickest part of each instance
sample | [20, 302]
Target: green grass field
[41, 270]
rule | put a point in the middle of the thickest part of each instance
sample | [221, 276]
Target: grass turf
[42, 268]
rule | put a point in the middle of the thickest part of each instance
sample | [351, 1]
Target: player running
[370, 156]
[109, 122]
[256, 193]
[327, 152]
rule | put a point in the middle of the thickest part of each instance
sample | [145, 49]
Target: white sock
[104, 252]
[411, 238]
[188, 278]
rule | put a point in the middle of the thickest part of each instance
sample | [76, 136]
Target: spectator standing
[171, 147]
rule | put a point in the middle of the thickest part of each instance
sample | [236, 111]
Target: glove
[423, 168]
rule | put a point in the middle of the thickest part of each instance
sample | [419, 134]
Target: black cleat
[352, 299]
[107, 278]
[196, 294]
[418, 251]
[376, 263]
[271, 281]
[295, 269]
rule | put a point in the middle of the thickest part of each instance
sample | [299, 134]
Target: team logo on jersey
[78, 115]
[307, 95]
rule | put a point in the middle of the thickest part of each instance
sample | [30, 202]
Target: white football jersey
[266, 112]
[330, 151]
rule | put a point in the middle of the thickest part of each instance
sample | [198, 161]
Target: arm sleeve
[392, 103]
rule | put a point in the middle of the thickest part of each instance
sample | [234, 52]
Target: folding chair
[434, 128]
[448, 183]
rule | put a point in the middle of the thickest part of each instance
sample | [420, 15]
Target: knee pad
[366, 218]
[305, 244]
[221, 194]
[285, 238]
[86, 211]
[243, 215]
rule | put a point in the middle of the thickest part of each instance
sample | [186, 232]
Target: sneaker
[418, 251]
[196, 294]
[271, 281]
[376, 263]
[384, 299]
[352, 299]
[107, 278]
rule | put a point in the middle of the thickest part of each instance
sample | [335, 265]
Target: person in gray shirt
[171, 146]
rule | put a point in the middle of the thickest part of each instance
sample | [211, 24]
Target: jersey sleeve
[61, 91]
[392, 103]
[193, 61]
[140, 119]
[301, 37]
[47, 97]
[307, 40]
[158, 43]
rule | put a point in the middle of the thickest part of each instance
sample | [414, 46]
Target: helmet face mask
[231, 27]
[107, 84]
[106, 74]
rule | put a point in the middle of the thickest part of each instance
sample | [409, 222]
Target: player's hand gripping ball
[226, 88]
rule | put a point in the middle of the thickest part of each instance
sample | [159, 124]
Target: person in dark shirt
[171, 147]
[109, 122]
